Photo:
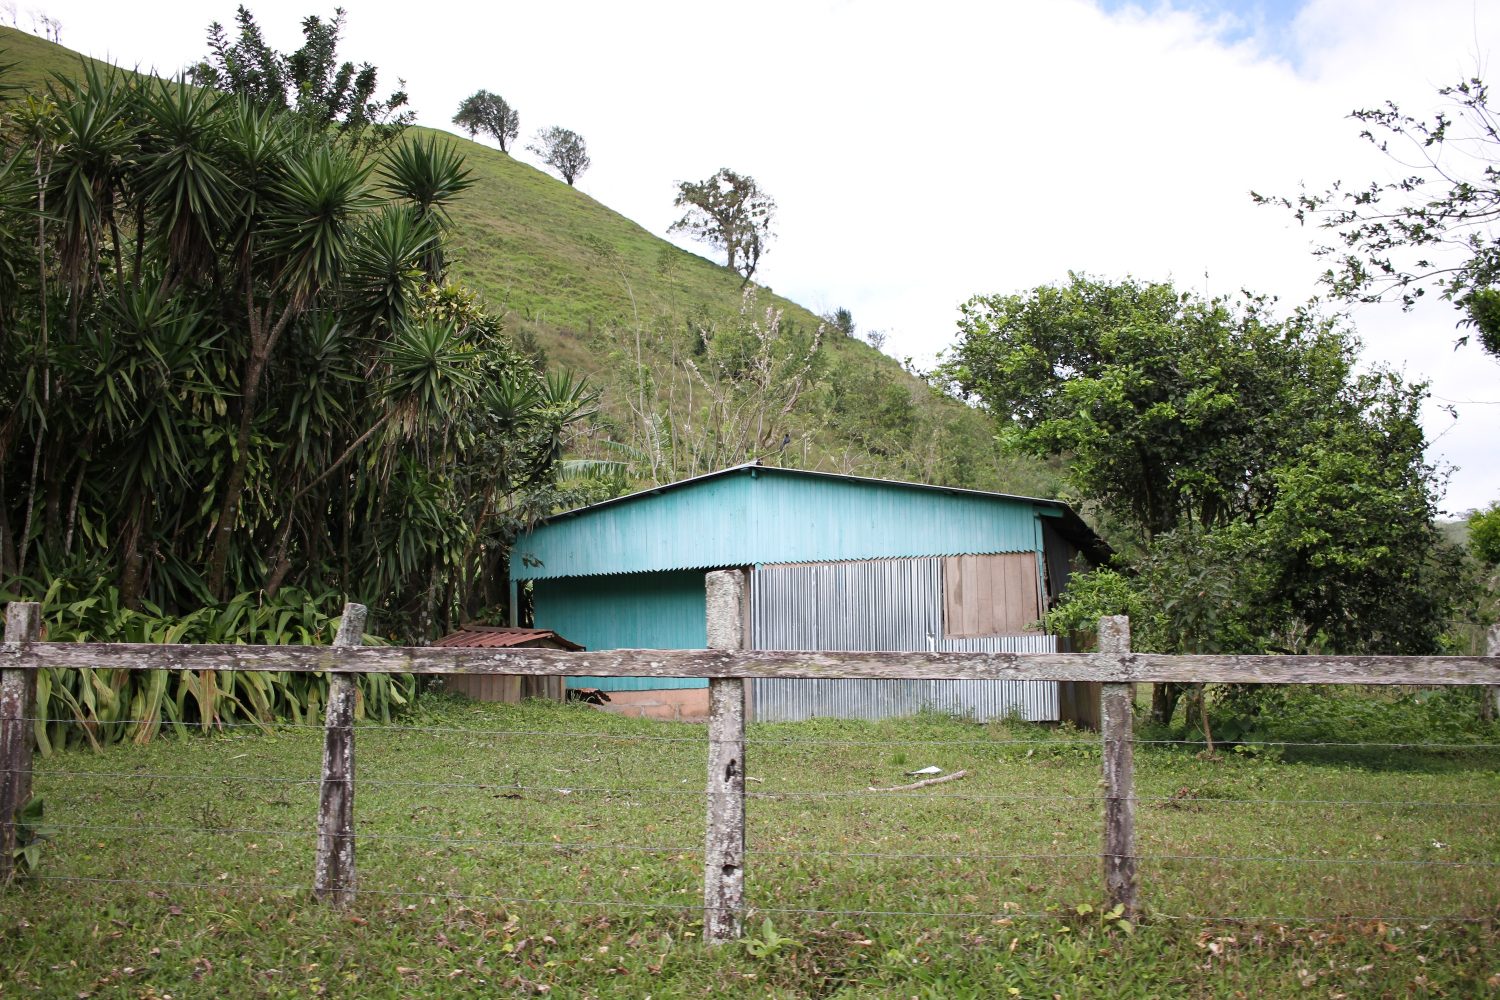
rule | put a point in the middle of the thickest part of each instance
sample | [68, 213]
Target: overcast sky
[921, 154]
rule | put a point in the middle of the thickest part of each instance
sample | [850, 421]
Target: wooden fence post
[333, 873]
[1490, 704]
[724, 849]
[1116, 725]
[23, 623]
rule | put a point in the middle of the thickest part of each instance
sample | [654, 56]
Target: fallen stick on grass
[920, 784]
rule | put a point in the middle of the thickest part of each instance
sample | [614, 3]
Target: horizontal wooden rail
[1105, 667]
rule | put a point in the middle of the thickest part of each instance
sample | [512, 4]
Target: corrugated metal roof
[760, 469]
[752, 514]
[495, 636]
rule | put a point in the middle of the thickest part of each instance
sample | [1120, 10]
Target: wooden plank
[1132, 667]
[23, 622]
[986, 598]
[1116, 725]
[985, 595]
[952, 585]
[724, 839]
[334, 877]
[1023, 585]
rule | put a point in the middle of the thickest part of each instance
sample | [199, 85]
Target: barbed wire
[751, 910]
[586, 846]
[1339, 918]
[363, 728]
[372, 727]
[790, 793]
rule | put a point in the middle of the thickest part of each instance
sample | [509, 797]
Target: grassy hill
[584, 287]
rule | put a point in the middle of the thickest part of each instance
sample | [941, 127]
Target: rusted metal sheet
[497, 637]
[509, 689]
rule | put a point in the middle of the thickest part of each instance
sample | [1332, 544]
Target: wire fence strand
[585, 846]
[1001, 915]
[790, 793]
[371, 727]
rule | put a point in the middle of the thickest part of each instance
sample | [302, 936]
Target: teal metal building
[629, 573]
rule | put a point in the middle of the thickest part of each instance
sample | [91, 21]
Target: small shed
[509, 688]
[835, 563]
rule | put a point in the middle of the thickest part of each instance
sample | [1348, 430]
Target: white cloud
[922, 155]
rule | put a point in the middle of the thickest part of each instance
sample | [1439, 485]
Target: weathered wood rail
[1110, 668]
[727, 665]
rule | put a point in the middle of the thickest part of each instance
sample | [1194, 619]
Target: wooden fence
[727, 664]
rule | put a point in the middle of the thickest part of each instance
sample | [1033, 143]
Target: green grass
[36, 59]
[462, 830]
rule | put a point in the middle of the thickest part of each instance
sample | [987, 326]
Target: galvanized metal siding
[754, 516]
[653, 611]
[891, 604]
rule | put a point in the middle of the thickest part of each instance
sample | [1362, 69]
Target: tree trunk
[1164, 702]
[234, 483]
[7, 540]
[132, 560]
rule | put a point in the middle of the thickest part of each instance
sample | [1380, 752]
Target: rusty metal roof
[495, 636]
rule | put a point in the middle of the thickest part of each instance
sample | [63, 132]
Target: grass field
[192, 860]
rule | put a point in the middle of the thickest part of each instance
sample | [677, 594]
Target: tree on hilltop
[489, 113]
[729, 212]
[564, 150]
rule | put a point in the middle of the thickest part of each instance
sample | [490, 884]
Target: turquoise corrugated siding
[654, 611]
[768, 516]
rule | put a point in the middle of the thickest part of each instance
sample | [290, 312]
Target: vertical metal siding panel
[877, 605]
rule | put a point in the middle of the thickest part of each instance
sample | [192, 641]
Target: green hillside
[658, 328]
[35, 59]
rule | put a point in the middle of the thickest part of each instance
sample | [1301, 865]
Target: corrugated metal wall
[887, 604]
[640, 611]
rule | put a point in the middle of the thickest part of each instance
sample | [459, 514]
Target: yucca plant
[231, 365]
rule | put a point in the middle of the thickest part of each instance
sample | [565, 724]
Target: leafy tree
[311, 81]
[729, 212]
[489, 113]
[1432, 229]
[563, 150]
[1165, 403]
[1267, 496]
[1484, 534]
[842, 320]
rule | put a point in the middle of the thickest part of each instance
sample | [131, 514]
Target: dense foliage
[311, 82]
[102, 706]
[1266, 496]
[1484, 535]
[233, 363]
